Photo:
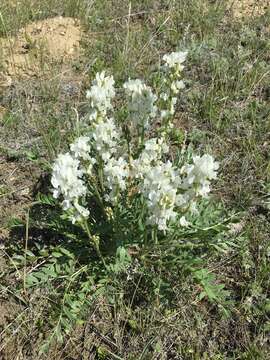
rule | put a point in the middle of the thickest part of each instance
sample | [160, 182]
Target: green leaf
[67, 252]
[31, 280]
[58, 334]
[56, 254]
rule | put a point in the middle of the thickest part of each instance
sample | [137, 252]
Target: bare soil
[38, 44]
[247, 8]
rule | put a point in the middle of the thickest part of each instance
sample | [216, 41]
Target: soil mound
[37, 45]
[244, 8]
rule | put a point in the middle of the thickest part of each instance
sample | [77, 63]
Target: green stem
[128, 140]
[94, 242]
[99, 200]
[100, 175]
[142, 135]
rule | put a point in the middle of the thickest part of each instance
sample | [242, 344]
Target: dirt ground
[243, 8]
[31, 51]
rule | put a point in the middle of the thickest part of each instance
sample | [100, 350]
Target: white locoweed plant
[122, 165]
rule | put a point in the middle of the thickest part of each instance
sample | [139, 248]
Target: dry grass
[225, 109]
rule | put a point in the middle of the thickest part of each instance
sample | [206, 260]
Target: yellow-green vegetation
[204, 294]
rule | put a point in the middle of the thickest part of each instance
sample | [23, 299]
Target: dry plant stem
[128, 25]
[77, 126]
[9, 41]
[25, 250]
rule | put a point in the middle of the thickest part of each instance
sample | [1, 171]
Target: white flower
[177, 85]
[175, 59]
[183, 221]
[134, 86]
[81, 209]
[164, 96]
[115, 172]
[205, 166]
[153, 150]
[141, 105]
[66, 178]
[169, 191]
[101, 93]
[172, 105]
[106, 137]
[91, 163]
[161, 207]
[79, 213]
[159, 187]
[199, 173]
[164, 114]
[81, 147]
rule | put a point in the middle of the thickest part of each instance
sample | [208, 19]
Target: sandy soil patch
[243, 8]
[37, 45]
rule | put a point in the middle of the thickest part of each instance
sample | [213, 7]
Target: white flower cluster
[170, 191]
[152, 153]
[81, 148]
[174, 66]
[141, 102]
[103, 133]
[199, 174]
[175, 60]
[177, 85]
[159, 187]
[101, 93]
[116, 171]
[105, 137]
[67, 181]
[105, 163]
